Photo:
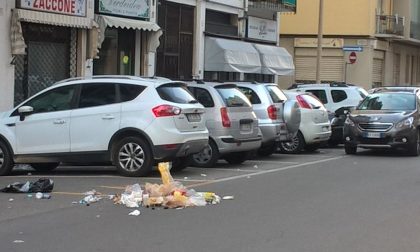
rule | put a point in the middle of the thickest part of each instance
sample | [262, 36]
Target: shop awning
[228, 55]
[124, 23]
[275, 60]
[19, 15]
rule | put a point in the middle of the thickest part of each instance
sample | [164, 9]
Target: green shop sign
[130, 8]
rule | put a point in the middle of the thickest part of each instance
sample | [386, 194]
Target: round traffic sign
[352, 57]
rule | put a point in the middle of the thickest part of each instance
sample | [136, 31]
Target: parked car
[314, 126]
[130, 121]
[387, 118]
[232, 124]
[278, 117]
[336, 97]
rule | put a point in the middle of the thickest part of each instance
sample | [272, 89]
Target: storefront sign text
[129, 8]
[263, 29]
[68, 7]
[313, 42]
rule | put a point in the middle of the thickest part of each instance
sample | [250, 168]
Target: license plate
[373, 135]
[246, 127]
[193, 117]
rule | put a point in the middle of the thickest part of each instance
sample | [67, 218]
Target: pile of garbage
[169, 194]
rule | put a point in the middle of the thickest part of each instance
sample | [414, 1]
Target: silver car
[232, 124]
[278, 117]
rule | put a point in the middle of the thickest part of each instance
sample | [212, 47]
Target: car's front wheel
[6, 159]
[414, 148]
[132, 157]
[294, 146]
[207, 157]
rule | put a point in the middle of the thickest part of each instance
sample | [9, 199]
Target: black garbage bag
[43, 185]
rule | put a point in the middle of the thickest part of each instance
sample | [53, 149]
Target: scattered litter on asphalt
[98, 216]
[11, 199]
[185, 178]
[248, 177]
[203, 175]
[29, 196]
[135, 213]
[132, 196]
[40, 195]
[228, 197]
[41, 185]
[256, 166]
[18, 241]
[29, 174]
[75, 202]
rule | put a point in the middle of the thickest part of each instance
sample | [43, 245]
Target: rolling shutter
[331, 68]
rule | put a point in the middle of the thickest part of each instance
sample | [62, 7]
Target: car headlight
[349, 122]
[408, 122]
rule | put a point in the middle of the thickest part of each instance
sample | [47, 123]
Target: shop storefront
[127, 39]
[44, 37]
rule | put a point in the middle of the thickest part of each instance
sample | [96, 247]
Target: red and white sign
[68, 7]
[352, 57]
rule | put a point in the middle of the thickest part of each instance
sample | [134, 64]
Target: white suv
[130, 121]
[333, 95]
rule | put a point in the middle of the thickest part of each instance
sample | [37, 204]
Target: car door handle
[108, 117]
[59, 121]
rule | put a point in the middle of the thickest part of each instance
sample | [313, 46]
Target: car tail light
[302, 102]
[272, 112]
[225, 117]
[166, 110]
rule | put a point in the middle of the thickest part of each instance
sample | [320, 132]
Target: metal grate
[19, 75]
[375, 126]
[73, 52]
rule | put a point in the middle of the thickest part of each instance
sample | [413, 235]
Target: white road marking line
[270, 162]
[232, 170]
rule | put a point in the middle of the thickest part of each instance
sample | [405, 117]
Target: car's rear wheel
[44, 167]
[132, 157]
[207, 157]
[350, 149]
[6, 159]
[294, 146]
[237, 157]
[414, 148]
[268, 150]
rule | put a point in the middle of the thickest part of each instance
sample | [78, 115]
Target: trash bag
[43, 185]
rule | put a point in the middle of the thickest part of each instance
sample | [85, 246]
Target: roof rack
[331, 84]
[126, 77]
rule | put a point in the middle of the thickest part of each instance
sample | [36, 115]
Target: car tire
[350, 149]
[312, 147]
[6, 159]
[44, 167]
[414, 149]
[237, 157]
[179, 164]
[207, 157]
[132, 157]
[268, 149]
[295, 146]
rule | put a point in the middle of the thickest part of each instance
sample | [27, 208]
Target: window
[175, 92]
[313, 101]
[251, 95]
[320, 94]
[130, 92]
[338, 95]
[389, 101]
[232, 96]
[97, 94]
[202, 96]
[57, 99]
[276, 94]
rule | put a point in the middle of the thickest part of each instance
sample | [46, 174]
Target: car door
[46, 130]
[96, 117]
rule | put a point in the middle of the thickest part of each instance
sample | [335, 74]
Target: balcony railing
[274, 5]
[390, 25]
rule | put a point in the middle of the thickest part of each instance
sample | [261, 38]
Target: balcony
[389, 25]
[273, 5]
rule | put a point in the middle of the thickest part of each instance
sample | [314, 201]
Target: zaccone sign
[67, 7]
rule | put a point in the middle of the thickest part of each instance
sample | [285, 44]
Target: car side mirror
[25, 111]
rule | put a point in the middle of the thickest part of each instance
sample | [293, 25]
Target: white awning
[228, 55]
[275, 60]
[125, 23]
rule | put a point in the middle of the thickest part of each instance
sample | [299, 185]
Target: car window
[176, 92]
[388, 101]
[97, 94]
[203, 96]
[320, 94]
[363, 93]
[129, 92]
[251, 95]
[313, 101]
[338, 95]
[57, 99]
[276, 94]
[233, 97]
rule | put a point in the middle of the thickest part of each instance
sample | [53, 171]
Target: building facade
[366, 42]
[220, 40]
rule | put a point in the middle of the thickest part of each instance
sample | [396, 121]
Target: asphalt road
[316, 202]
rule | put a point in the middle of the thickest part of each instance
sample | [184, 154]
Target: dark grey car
[387, 118]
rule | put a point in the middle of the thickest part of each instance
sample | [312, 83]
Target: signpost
[352, 48]
[352, 57]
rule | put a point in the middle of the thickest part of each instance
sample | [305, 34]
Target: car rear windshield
[363, 93]
[176, 92]
[389, 101]
[232, 96]
[276, 94]
[313, 101]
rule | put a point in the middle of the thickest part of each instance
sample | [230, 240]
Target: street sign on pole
[352, 57]
[352, 48]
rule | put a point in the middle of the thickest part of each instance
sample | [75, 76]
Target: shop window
[338, 95]
[221, 76]
[262, 78]
[221, 23]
